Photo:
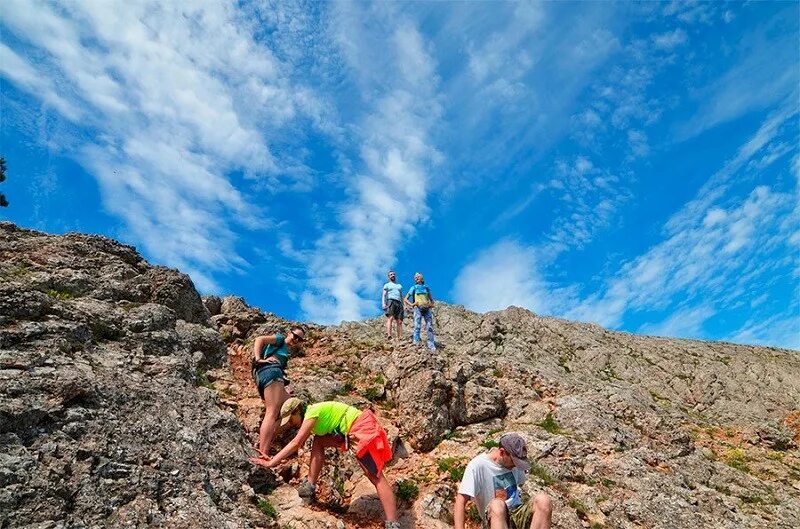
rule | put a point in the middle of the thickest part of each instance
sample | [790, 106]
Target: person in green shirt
[335, 424]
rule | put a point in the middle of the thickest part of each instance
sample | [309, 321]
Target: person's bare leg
[399, 325]
[274, 396]
[321, 442]
[497, 514]
[385, 494]
[389, 326]
[542, 511]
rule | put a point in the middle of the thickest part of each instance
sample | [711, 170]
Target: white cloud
[670, 39]
[709, 251]
[752, 83]
[503, 275]
[683, 323]
[388, 193]
[173, 97]
[782, 330]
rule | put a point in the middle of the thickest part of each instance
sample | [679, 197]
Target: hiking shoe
[392, 525]
[307, 490]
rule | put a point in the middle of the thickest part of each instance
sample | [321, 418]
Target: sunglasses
[297, 337]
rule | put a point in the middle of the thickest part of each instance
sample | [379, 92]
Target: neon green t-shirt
[332, 417]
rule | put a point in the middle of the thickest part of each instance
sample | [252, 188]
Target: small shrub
[103, 332]
[202, 379]
[453, 466]
[489, 443]
[267, 508]
[452, 434]
[550, 425]
[775, 455]
[407, 490]
[579, 507]
[736, 458]
[373, 393]
[473, 514]
[61, 295]
[562, 361]
[541, 473]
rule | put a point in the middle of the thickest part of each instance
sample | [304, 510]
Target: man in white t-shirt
[492, 480]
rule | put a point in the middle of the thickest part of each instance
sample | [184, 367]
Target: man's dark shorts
[395, 309]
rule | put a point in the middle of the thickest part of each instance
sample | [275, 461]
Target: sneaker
[392, 525]
[307, 490]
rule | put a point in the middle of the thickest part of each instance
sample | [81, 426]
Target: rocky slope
[119, 407]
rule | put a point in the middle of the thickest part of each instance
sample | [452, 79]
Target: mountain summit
[122, 404]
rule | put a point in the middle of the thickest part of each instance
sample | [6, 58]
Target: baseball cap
[289, 406]
[515, 445]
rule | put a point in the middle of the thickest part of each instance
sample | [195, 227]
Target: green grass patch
[103, 332]
[736, 458]
[373, 393]
[473, 514]
[562, 361]
[608, 482]
[489, 443]
[61, 295]
[407, 490]
[579, 507]
[550, 425]
[201, 379]
[267, 508]
[453, 466]
[541, 473]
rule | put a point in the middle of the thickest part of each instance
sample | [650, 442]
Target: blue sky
[633, 165]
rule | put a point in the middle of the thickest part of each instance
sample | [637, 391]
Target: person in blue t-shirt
[419, 297]
[392, 303]
[270, 357]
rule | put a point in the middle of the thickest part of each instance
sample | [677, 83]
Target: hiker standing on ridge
[492, 480]
[270, 356]
[337, 425]
[392, 303]
[419, 297]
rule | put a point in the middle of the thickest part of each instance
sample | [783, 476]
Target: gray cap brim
[520, 463]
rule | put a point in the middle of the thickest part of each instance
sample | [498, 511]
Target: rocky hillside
[119, 407]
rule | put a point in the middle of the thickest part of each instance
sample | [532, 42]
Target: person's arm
[430, 296]
[295, 444]
[259, 345]
[459, 511]
[383, 298]
[408, 295]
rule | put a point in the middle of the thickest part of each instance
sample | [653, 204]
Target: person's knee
[543, 503]
[497, 509]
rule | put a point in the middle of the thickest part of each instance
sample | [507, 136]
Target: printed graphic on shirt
[505, 488]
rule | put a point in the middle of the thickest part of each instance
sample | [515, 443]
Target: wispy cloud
[709, 250]
[670, 39]
[388, 191]
[686, 323]
[506, 274]
[175, 97]
[751, 83]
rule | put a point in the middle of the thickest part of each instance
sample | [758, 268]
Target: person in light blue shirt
[392, 303]
[419, 297]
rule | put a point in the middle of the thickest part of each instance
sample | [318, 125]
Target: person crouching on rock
[492, 480]
[270, 356]
[335, 424]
